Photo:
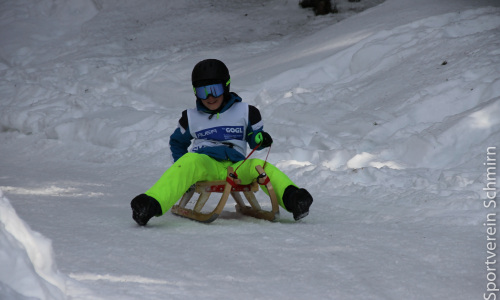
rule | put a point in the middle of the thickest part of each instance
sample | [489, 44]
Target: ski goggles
[215, 90]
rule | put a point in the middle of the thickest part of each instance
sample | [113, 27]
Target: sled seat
[231, 186]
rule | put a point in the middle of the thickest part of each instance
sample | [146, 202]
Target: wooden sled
[231, 186]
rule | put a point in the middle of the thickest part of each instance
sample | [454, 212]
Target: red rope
[268, 151]
[249, 156]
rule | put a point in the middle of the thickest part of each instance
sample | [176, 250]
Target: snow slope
[386, 116]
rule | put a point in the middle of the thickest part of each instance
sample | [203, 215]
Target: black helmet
[210, 71]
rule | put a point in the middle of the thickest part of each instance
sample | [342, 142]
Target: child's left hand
[264, 139]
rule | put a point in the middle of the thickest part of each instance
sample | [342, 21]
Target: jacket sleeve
[180, 140]
[255, 125]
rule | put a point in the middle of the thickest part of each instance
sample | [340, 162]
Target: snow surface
[385, 115]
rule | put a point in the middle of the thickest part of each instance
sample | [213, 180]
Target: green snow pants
[194, 167]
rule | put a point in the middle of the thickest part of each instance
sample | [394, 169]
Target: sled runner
[231, 186]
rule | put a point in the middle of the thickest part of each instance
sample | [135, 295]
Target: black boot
[144, 208]
[297, 201]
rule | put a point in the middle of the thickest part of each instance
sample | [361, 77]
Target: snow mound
[28, 268]
[405, 87]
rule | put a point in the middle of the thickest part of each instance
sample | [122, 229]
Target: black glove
[263, 139]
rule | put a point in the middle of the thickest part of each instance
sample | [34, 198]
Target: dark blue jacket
[181, 139]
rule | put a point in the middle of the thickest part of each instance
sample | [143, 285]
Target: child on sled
[218, 130]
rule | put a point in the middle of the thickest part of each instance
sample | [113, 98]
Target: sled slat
[206, 188]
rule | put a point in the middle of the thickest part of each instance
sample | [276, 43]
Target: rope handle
[253, 150]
